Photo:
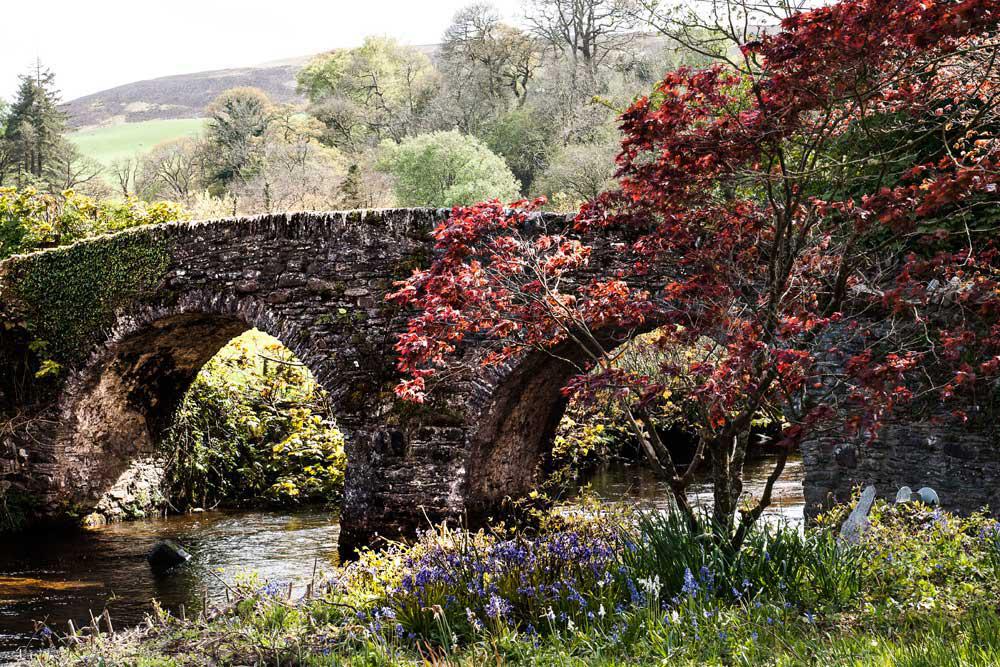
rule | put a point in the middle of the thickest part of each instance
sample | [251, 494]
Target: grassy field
[107, 144]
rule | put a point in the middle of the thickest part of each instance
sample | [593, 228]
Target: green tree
[35, 126]
[374, 92]
[254, 426]
[238, 120]
[5, 152]
[487, 69]
[521, 137]
[579, 173]
[445, 169]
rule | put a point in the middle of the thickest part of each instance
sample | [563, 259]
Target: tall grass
[809, 568]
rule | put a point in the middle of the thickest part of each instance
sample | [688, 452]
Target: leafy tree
[174, 169]
[238, 120]
[580, 172]
[254, 425]
[6, 153]
[374, 92]
[480, 51]
[521, 137]
[445, 169]
[294, 176]
[808, 278]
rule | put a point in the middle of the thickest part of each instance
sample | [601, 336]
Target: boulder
[928, 496]
[857, 523]
[166, 555]
[904, 495]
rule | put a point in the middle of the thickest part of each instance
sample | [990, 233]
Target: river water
[60, 575]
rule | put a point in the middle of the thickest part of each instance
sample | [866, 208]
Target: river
[60, 575]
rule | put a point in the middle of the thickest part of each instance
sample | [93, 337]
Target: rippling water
[60, 575]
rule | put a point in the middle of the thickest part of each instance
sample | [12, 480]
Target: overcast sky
[98, 44]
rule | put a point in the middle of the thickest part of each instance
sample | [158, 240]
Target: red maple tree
[819, 224]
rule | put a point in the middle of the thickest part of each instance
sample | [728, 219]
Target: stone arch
[117, 406]
[519, 407]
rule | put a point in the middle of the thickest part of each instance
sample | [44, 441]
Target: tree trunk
[727, 483]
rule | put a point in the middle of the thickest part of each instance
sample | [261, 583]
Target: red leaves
[765, 228]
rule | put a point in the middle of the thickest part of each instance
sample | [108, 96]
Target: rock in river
[165, 555]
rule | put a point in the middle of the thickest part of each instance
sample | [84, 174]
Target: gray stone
[857, 523]
[318, 282]
[166, 555]
[915, 442]
[928, 496]
[904, 495]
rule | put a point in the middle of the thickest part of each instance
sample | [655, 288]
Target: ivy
[70, 296]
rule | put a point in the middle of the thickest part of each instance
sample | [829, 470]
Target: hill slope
[113, 142]
[180, 96]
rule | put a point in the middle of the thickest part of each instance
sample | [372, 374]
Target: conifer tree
[35, 125]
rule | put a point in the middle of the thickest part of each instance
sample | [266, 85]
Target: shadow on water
[60, 575]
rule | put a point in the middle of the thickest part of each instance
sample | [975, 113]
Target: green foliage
[945, 563]
[807, 569]
[582, 442]
[34, 125]
[238, 120]
[253, 426]
[68, 297]
[30, 220]
[446, 169]
[520, 137]
[369, 93]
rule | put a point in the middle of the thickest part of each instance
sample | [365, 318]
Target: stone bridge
[101, 339]
[130, 319]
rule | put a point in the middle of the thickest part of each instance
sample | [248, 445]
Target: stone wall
[961, 464]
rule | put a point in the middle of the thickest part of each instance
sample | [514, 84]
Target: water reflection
[619, 483]
[61, 575]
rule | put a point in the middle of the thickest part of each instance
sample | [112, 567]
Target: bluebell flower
[690, 586]
[497, 607]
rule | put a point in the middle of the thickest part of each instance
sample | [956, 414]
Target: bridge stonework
[318, 283]
[132, 318]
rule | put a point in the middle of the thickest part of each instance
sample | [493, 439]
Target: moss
[16, 507]
[69, 297]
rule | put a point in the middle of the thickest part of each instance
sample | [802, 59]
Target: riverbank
[921, 589]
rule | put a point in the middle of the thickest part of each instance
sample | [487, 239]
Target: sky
[98, 44]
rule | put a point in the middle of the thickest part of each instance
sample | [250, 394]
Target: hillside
[108, 143]
[179, 96]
